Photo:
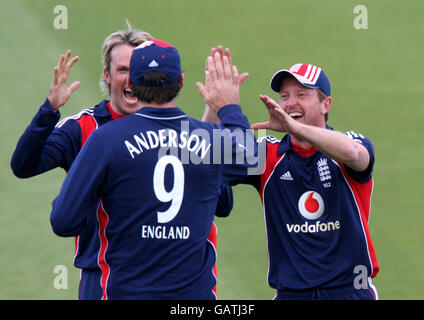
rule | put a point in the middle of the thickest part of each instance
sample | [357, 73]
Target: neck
[301, 144]
[115, 115]
[170, 104]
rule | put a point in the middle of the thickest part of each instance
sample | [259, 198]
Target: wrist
[52, 104]
[46, 116]
[296, 129]
[210, 115]
[228, 109]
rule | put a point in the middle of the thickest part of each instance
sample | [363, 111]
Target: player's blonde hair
[131, 36]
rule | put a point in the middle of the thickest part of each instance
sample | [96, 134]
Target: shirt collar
[284, 145]
[101, 110]
[161, 113]
[114, 115]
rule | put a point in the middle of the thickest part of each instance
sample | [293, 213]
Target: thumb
[202, 89]
[74, 86]
[260, 125]
[243, 77]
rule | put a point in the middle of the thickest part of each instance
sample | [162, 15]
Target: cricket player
[316, 193]
[47, 143]
[159, 187]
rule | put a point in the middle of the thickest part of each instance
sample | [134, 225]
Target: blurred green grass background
[377, 80]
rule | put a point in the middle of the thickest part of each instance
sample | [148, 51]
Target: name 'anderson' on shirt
[167, 138]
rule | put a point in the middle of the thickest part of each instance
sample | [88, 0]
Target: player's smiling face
[302, 103]
[122, 100]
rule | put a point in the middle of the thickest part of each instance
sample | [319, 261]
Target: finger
[65, 61]
[260, 125]
[264, 99]
[280, 113]
[270, 107]
[55, 75]
[218, 66]
[227, 69]
[71, 63]
[236, 77]
[243, 77]
[202, 90]
[228, 54]
[206, 71]
[269, 103]
[213, 52]
[67, 55]
[206, 64]
[220, 50]
[74, 86]
[60, 63]
[211, 68]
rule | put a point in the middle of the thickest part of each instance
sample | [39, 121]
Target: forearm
[27, 158]
[210, 115]
[334, 145]
[79, 193]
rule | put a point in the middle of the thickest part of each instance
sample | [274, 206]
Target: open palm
[278, 119]
[59, 92]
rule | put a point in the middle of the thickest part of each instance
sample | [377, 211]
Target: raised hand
[227, 53]
[210, 114]
[59, 92]
[222, 83]
[279, 120]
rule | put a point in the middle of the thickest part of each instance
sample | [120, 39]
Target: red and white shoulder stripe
[86, 121]
[84, 112]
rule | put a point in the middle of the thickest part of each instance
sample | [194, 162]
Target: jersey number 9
[175, 195]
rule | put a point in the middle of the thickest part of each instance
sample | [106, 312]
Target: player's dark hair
[156, 93]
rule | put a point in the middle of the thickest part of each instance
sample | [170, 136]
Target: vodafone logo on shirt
[311, 206]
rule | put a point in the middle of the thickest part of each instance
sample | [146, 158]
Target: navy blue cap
[307, 74]
[155, 55]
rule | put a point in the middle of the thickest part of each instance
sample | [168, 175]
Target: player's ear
[326, 105]
[182, 80]
[106, 74]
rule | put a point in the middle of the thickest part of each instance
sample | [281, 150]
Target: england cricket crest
[324, 172]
